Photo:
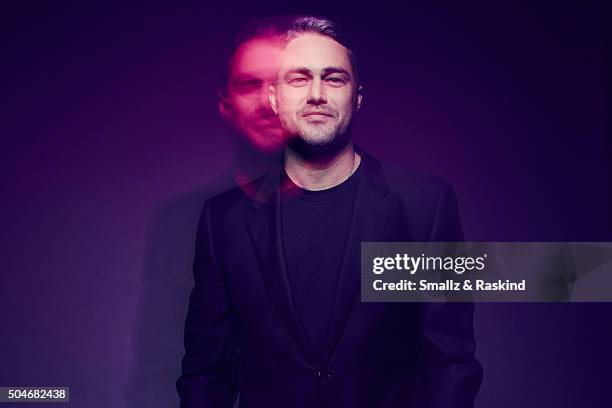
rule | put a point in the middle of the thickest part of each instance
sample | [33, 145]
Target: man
[252, 68]
[244, 101]
[255, 135]
[275, 312]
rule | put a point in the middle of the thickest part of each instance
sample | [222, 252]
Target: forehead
[256, 58]
[315, 52]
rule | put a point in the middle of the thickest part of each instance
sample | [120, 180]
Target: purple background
[111, 140]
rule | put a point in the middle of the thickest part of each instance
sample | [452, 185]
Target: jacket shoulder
[429, 204]
[234, 199]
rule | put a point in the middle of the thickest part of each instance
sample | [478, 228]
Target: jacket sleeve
[452, 374]
[209, 375]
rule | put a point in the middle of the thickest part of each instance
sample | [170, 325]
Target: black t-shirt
[315, 227]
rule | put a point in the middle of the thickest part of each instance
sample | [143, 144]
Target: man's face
[245, 104]
[315, 94]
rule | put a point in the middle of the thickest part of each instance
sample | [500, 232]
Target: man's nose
[263, 99]
[316, 93]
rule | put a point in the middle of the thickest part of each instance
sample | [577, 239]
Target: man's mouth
[318, 113]
[267, 124]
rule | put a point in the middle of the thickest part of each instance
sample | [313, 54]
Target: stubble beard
[319, 144]
[318, 141]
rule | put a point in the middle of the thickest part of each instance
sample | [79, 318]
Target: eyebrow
[324, 72]
[300, 70]
[241, 78]
[334, 70]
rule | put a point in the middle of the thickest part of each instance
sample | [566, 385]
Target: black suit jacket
[243, 333]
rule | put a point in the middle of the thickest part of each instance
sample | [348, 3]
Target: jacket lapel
[265, 232]
[371, 214]
[372, 211]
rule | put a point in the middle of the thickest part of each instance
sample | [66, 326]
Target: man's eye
[336, 81]
[298, 81]
[247, 87]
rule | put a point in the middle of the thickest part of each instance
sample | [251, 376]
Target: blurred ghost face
[245, 103]
[315, 95]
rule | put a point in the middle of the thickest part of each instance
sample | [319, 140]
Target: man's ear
[272, 97]
[359, 97]
[224, 105]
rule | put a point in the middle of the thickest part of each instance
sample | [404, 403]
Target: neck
[321, 173]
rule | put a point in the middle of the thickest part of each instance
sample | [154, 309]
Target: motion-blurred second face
[245, 104]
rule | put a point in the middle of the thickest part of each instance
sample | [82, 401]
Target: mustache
[328, 111]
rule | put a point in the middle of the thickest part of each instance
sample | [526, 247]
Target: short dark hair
[269, 27]
[328, 28]
[288, 27]
[266, 28]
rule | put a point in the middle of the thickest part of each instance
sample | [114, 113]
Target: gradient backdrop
[111, 140]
